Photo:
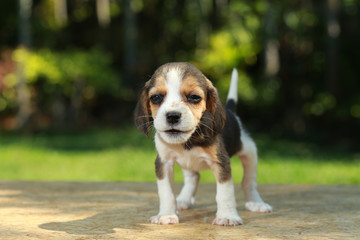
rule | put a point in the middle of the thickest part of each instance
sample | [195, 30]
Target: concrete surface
[88, 210]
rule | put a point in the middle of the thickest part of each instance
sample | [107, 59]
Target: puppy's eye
[192, 98]
[157, 99]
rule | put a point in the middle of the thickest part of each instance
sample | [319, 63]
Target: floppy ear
[142, 114]
[216, 109]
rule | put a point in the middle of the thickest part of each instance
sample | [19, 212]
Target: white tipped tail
[233, 90]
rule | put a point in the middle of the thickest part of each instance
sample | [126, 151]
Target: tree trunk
[272, 61]
[23, 93]
[130, 43]
[60, 9]
[204, 28]
[333, 33]
[103, 12]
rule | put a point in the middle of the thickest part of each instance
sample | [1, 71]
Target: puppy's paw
[228, 221]
[164, 220]
[258, 207]
[183, 204]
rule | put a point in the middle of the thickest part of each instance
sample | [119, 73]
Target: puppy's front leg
[226, 214]
[165, 182]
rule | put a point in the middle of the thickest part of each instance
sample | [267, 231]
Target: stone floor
[88, 210]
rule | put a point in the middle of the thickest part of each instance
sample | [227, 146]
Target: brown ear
[142, 114]
[215, 107]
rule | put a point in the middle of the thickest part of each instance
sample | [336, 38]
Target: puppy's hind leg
[186, 197]
[249, 159]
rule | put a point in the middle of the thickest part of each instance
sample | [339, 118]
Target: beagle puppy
[194, 130]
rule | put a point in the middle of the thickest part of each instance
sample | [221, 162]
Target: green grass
[125, 155]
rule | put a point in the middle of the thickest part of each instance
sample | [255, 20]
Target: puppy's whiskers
[204, 125]
[144, 116]
[149, 125]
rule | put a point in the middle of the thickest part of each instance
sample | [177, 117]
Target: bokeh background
[69, 67]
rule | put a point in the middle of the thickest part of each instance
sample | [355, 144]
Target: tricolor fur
[194, 130]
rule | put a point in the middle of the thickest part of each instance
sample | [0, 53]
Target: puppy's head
[174, 101]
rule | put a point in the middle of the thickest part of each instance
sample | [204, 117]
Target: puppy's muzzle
[173, 118]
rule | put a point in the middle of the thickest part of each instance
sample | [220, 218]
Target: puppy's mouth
[174, 131]
[175, 136]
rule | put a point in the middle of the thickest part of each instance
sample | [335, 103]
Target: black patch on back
[231, 133]
[231, 105]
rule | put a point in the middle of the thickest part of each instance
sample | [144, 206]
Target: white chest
[195, 159]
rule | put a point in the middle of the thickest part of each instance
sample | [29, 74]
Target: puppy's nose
[173, 117]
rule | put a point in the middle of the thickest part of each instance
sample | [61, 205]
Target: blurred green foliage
[298, 61]
[52, 76]
[64, 68]
[235, 44]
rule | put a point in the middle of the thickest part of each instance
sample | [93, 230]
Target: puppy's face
[176, 98]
